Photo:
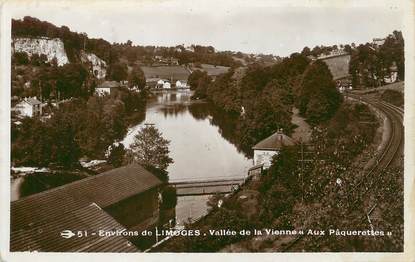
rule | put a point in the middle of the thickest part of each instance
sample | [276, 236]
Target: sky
[277, 27]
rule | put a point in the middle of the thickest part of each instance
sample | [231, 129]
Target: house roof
[32, 101]
[109, 84]
[46, 236]
[274, 142]
[153, 79]
[103, 189]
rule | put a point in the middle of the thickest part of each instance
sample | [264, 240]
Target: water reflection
[227, 124]
[173, 110]
[204, 141]
[204, 144]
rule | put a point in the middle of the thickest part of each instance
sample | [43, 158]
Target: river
[200, 147]
[197, 144]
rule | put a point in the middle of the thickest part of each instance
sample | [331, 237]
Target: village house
[377, 42]
[266, 149]
[393, 76]
[344, 84]
[29, 107]
[119, 199]
[152, 82]
[163, 84]
[181, 84]
[106, 87]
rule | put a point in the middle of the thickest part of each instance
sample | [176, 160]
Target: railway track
[390, 152]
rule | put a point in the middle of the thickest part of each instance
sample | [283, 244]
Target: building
[393, 76]
[106, 87]
[344, 84]
[378, 41]
[29, 107]
[152, 82]
[122, 198]
[163, 84]
[181, 84]
[266, 149]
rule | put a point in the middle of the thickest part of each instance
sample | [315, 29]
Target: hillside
[51, 48]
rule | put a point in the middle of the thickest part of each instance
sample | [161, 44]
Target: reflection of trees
[173, 109]
[166, 97]
[200, 111]
[228, 124]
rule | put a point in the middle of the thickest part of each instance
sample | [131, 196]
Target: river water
[199, 144]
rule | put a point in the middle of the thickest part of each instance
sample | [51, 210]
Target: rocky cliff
[52, 48]
[97, 65]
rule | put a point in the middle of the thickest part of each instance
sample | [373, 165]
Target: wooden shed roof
[274, 142]
[46, 236]
[103, 189]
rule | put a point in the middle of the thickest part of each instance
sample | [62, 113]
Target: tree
[116, 155]
[317, 97]
[137, 78]
[70, 82]
[118, 72]
[194, 77]
[65, 150]
[21, 58]
[150, 148]
[306, 51]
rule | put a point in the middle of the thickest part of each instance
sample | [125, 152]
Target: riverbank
[281, 199]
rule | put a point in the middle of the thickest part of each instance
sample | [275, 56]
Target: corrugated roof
[46, 236]
[274, 142]
[103, 189]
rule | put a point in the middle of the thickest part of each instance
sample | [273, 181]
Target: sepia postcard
[230, 130]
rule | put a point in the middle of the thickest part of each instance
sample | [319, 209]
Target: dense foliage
[318, 98]
[263, 97]
[369, 65]
[150, 149]
[197, 54]
[77, 128]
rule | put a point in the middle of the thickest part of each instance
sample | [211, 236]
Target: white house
[393, 77]
[105, 87]
[378, 41]
[162, 83]
[181, 84]
[29, 107]
[166, 85]
[269, 147]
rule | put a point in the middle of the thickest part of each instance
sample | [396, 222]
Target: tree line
[263, 97]
[78, 127]
[369, 65]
